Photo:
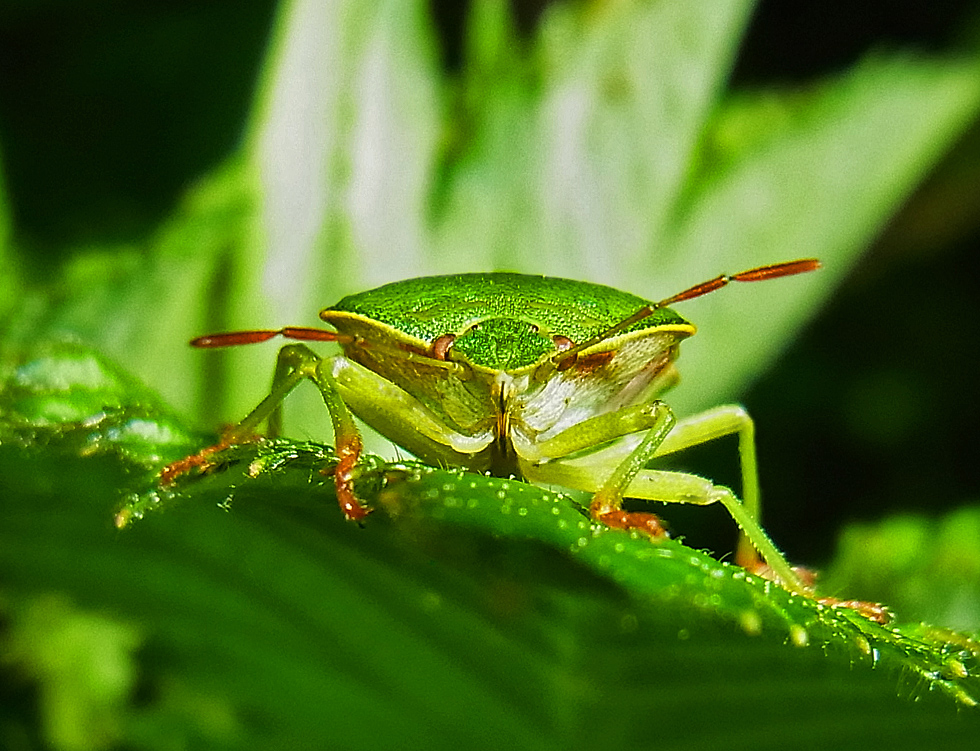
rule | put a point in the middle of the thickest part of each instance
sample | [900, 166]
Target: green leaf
[69, 396]
[604, 147]
[467, 610]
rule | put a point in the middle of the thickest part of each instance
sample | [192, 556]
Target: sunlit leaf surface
[467, 610]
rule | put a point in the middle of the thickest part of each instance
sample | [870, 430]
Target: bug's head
[499, 344]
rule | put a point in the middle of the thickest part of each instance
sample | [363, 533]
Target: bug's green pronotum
[550, 380]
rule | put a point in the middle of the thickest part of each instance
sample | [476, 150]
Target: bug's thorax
[503, 382]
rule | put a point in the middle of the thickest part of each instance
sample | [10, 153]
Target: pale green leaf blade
[826, 175]
[578, 155]
[467, 611]
[340, 156]
[628, 91]
[343, 143]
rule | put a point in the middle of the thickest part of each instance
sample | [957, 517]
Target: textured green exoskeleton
[550, 380]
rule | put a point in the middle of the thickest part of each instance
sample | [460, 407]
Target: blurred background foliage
[163, 162]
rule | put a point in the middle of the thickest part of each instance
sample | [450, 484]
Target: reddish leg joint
[627, 520]
[343, 475]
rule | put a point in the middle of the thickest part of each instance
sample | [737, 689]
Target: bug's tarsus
[873, 611]
[348, 452]
[642, 521]
[201, 461]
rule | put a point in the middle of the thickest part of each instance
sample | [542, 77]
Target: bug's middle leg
[729, 419]
[623, 465]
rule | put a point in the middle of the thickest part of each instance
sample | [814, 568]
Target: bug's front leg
[290, 371]
[710, 425]
[296, 363]
[547, 461]
[607, 503]
[665, 435]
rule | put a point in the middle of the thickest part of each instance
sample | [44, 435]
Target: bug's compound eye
[563, 343]
[441, 345]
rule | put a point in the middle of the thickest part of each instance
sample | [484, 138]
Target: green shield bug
[550, 380]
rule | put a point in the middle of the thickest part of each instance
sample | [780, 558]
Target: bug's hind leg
[292, 366]
[296, 363]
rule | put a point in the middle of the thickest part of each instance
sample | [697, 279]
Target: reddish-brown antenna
[758, 274]
[234, 338]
